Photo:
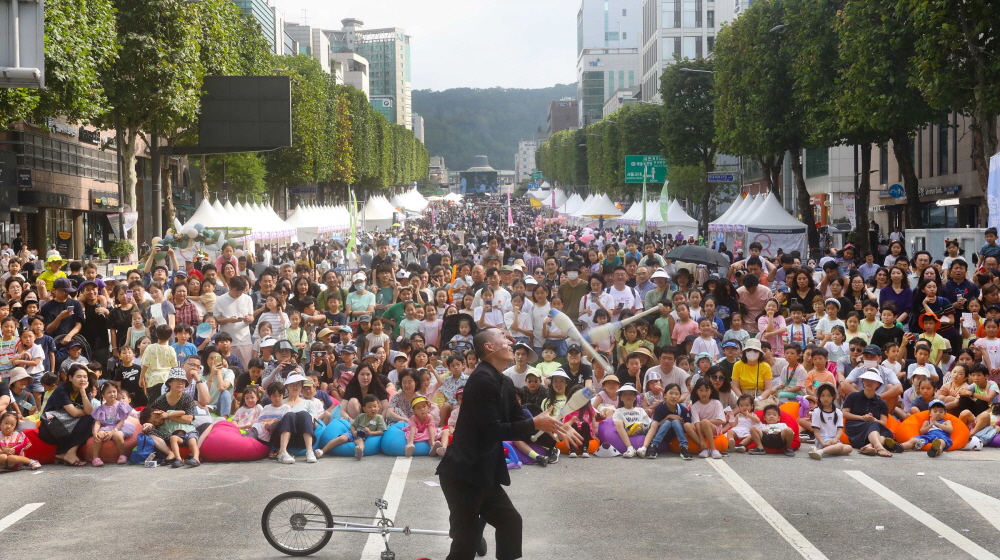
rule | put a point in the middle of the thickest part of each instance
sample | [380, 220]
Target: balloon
[209, 234]
[160, 255]
[156, 241]
[212, 247]
[168, 238]
[191, 232]
[199, 226]
[587, 237]
[184, 243]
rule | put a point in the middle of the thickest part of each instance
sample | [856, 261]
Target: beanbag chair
[563, 447]
[526, 459]
[910, 428]
[995, 442]
[721, 444]
[317, 434]
[788, 420]
[338, 427]
[606, 433]
[225, 444]
[892, 424]
[394, 442]
[510, 456]
[40, 451]
[109, 451]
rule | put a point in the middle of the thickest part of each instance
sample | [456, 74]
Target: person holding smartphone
[596, 299]
[120, 318]
[488, 315]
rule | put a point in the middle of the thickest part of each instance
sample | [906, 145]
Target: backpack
[143, 448]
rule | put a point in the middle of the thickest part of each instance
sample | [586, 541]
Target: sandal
[122, 459]
[97, 462]
[884, 452]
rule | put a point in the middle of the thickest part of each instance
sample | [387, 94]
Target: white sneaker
[629, 453]
[816, 454]
[585, 455]
[641, 452]
[704, 454]
[318, 452]
[310, 456]
[572, 455]
[285, 458]
[716, 454]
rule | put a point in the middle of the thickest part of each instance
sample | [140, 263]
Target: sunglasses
[432, 353]
[717, 377]
[857, 350]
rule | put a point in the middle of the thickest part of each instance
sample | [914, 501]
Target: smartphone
[128, 296]
[319, 354]
[489, 302]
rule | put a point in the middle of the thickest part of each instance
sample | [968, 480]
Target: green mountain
[462, 123]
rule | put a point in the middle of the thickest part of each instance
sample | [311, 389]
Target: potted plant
[121, 249]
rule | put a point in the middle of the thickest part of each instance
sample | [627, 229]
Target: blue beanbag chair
[394, 442]
[338, 427]
[317, 435]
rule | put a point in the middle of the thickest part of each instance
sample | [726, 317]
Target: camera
[319, 354]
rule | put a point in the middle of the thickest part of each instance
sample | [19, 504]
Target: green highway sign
[655, 168]
[536, 175]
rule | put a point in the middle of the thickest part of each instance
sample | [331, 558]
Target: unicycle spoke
[294, 523]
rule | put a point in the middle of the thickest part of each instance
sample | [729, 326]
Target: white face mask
[359, 286]
[869, 364]
[572, 275]
[752, 355]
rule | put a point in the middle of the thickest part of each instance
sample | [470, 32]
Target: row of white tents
[588, 212]
[760, 218]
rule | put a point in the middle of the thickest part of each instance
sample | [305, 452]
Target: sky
[466, 43]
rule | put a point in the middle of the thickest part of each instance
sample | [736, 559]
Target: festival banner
[993, 192]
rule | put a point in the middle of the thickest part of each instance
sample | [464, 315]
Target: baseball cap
[284, 345]
[786, 290]
[86, 283]
[607, 378]
[63, 284]
[936, 402]
[559, 373]
[359, 276]
[402, 275]
[574, 348]
[572, 265]
[365, 319]
[533, 373]
[731, 344]
[349, 349]
[873, 350]
[660, 273]
[268, 341]
[74, 344]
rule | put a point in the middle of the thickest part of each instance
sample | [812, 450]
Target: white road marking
[791, 535]
[922, 516]
[986, 505]
[393, 494]
[19, 515]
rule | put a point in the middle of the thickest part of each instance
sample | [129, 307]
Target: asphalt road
[747, 507]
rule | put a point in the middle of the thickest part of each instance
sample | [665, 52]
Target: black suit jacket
[490, 415]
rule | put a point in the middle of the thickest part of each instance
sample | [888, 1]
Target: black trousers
[83, 430]
[466, 503]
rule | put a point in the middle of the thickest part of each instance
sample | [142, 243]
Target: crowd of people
[286, 340]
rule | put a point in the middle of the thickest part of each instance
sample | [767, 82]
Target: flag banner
[993, 192]
[664, 202]
[849, 201]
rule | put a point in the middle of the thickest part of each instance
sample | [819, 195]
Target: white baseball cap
[660, 273]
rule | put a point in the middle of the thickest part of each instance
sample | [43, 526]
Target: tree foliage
[242, 173]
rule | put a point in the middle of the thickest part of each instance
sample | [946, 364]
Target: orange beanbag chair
[910, 428]
[591, 448]
[109, 451]
[791, 407]
[892, 424]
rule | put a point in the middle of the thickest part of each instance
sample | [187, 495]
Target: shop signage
[43, 199]
[62, 129]
[103, 201]
[90, 136]
[817, 199]
[928, 191]
[62, 241]
[24, 178]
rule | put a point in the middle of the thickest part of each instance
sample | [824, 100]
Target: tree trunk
[204, 178]
[130, 179]
[805, 208]
[168, 192]
[771, 167]
[861, 198]
[901, 148]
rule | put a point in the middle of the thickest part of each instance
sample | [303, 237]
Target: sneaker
[310, 456]
[192, 462]
[585, 455]
[554, 455]
[318, 452]
[651, 454]
[937, 448]
[806, 437]
[35, 465]
[704, 454]
[97, 462]
[789, 452]
[409, 449]
[285, 458]
[686, 453]
[716, 454]
[122, 460]
[893, 445]
[629, 453]
[176, 464]
[358, 453]
[757, 451]
[740, 449]
[641, 452]
[816, 454]
[572, 455]
[541, 461]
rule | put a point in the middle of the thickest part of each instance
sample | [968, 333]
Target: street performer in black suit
[474, 471]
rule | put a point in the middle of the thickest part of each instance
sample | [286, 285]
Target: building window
[611, 82]
[624, 35]
[689, 47]
[710, 18]
[631, 78]
[942, 149]
[690, 13]
[817, 163]
[710, 42]
[883, 164]
[670, 15]
[610, 36]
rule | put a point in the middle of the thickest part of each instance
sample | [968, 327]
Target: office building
[437, 172]
[674, 30]
[418, 126]
[312, 41]
[264, 14]
[351, 69]
[600, 72]
[387, 51]
[563, 115]
[524, 160]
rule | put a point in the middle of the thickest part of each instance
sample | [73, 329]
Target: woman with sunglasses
[723, 385]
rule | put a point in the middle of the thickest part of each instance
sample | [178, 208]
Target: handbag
[59, 423]
[772, 399]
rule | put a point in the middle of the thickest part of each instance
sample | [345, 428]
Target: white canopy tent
[679, 221]
[599, 208]
[576, 213]
[377, 213]
[410, 200]
[716, 225]
[204, 215]
[774, 228]
[571, 205]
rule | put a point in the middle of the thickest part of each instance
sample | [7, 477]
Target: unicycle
[299, 524]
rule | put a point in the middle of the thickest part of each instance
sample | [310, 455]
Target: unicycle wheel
[293, 523]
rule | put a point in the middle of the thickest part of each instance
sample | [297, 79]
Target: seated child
[819, 374]
[629, 419]
[12, 445]
[827, 424]
[246, 415]
[449, 430]
[367, 424]
[421, 427]
[772, 433]
[606, 401]
[110, 424]
[936, 430]
[670, 419]
[584, 421]
[739, 435]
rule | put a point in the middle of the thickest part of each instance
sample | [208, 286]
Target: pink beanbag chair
[38, 449]
[788, 420]
[606, 433]
[225, 444]
[109, 451]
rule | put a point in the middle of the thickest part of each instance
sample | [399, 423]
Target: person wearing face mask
[360, 301]
[752, 375]
[572, 291]
[891, 388]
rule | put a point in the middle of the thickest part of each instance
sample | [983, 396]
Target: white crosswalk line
[771, 515]
[986, 505]
[923, 517]
[393, 494]
[19, 515]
